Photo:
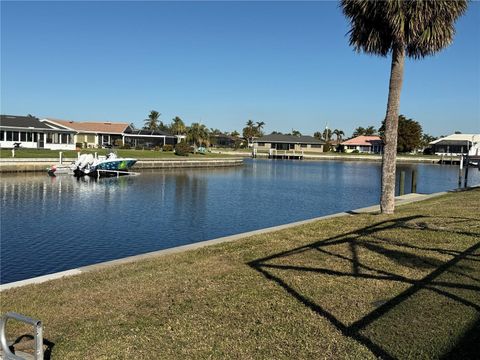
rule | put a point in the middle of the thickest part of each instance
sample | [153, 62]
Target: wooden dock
[281, 155]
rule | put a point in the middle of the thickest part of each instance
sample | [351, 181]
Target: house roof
[458, 138]
[91, 126]
[363, 140]
[22, 122]
[281, 138]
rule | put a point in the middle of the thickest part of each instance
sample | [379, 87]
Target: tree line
[410, 133]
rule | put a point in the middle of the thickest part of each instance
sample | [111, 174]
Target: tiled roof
[90, 126]
[22, 122]
[280, 138]
[363, 140]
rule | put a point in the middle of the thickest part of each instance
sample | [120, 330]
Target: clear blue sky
[222, 63]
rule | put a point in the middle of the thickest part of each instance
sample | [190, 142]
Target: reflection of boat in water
[109, 165]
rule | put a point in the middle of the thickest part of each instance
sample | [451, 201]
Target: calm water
[54, 224]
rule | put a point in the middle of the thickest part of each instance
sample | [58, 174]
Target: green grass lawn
[138, 154]
[357, 287]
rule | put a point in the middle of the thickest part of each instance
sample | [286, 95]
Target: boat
[109, 165]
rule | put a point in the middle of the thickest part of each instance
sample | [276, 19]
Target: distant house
[222, 140]
[89, 134]
[289, 142]
[364, 144]
[30, 132]
[148, 138]
[457, 144]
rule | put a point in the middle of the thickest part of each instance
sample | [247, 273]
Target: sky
[287, 64]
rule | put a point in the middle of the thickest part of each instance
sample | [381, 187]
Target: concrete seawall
[326, 156]
[41, 165]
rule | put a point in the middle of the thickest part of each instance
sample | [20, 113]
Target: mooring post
[13, 152]
[402, 182]
[467, 161]
[460, 168]
[414, 181]
[60, 157]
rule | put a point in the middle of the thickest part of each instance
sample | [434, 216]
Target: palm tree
[338, 134]
[260, 125]
[249, 132]
[177, 127]
[151, 123]
[197, 134]
[234, 133]
[369, 131]
[327, 135]
[359, 131]
[403, 28]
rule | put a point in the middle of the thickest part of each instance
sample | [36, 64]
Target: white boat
[109, 165]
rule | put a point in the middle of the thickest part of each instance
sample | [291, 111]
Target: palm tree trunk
[389, 159]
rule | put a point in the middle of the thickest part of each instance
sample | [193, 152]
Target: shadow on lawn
[29, 339]
[368, 238]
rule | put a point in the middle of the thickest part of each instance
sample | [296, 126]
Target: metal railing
[37, 334]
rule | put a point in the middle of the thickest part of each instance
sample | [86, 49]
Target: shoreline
[399, 200]
[349, 157]
[22, 165]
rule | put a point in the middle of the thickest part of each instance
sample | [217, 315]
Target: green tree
[250, 131]
[359, 131]
[403, 28]
[197, 134]
[295, 133]
[177, 126]
[317, 135]
[152, 122]
[409, 134]
[338, 134]
[369, 131]
[327, 135]
[235, 133]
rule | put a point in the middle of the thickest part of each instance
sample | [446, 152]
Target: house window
[316, 146]
[303, 145]
[23, 136]
[9, 135]
[29, 136]
[2, 135]
[49, 138]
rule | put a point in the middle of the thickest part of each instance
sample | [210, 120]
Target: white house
[457, 144]
[30, 132]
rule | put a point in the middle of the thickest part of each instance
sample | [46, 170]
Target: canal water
[50, 224]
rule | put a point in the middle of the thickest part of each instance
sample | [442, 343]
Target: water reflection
[52, 224]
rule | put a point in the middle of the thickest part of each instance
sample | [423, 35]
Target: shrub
[182, 149]
[167, 147]
[126, 146]
[118, 143]
[79, 145]
[156, 148]
[138, 148]
[355, 151]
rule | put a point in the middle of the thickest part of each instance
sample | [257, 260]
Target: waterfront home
[457, 144]
[89, 134]
[288, 142]
[149, 138]
[30, 132]
[364, 144]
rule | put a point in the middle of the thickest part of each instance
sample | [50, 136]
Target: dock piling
[402, 183]
[414, 181]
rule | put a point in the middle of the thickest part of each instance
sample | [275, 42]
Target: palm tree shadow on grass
[354, 241]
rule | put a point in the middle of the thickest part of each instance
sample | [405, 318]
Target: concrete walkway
[400, 200]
